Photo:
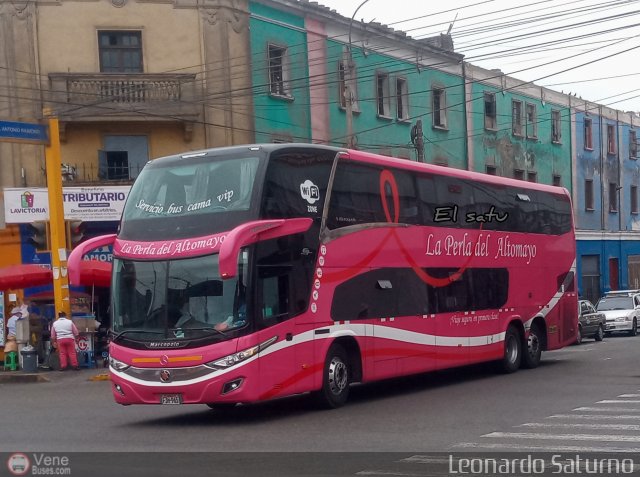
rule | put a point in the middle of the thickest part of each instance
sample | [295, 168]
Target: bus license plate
[171, 399]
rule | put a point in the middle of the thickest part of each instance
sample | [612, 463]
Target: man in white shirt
[63, 334]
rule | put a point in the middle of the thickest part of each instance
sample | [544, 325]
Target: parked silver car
[622, 311]
[591, 323]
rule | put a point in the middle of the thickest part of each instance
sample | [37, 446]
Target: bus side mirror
[75, 257]
[252, 232]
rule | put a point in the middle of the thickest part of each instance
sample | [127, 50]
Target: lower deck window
[391, 292]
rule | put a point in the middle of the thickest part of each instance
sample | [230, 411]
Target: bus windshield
[179, 299]
[191, 195]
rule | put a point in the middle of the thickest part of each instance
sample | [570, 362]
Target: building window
[122, 157]
[518, 174]
[613, 197]
[278, 71]
[113, 165]
[402, 99]
[588, 194]
[557, 180]
[634, 199]
[588, 134]
[120, 51]
[611, 139]
[556, 135]
[532, 176]
[633, 145]
[382, 95]
[490, 118]
[353, 88]
[439, 108]
[516, 118]
[532, 121]
[492, 171]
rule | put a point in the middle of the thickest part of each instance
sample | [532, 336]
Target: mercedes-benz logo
[165, 375]
[164, 360]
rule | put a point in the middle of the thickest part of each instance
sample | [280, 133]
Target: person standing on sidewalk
[11, 345]
[63, 334]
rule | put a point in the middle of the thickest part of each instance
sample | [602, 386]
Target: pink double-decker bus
[249, 273]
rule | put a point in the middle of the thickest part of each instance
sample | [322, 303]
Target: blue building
[606, 179]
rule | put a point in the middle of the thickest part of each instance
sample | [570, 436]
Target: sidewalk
[45, 375]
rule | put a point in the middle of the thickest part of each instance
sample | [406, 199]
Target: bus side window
[427, 198]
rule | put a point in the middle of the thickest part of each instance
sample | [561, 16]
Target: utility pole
[348, 95]
[56, 221]
[417, 139]
[348, 78]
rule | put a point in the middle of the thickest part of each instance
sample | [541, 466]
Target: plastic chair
[11, 361]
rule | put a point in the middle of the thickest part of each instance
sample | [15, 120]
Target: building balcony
[92, 97]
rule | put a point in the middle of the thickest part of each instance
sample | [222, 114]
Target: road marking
[564, 437]
[593, 417]
[475, 445]
[617, 427]
[425, 459]
[618, 401]
[387, 472]
[607, 409]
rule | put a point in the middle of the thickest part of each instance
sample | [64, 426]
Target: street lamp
[348, 93]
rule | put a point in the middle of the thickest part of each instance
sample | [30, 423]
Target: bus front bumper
[194, 385]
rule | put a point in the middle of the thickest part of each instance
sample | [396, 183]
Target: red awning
[96, 273]
[24, 276]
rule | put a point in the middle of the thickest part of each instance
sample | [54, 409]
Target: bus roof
[370, 158]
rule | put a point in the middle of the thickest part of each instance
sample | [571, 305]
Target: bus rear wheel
[512, 350]
[336, 379]
[533, 353]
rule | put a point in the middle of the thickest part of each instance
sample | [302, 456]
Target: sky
[587, 48]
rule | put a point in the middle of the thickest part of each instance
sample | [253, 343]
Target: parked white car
[622, 311]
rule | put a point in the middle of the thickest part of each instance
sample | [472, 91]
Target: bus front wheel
[512, 350]
[336, 379]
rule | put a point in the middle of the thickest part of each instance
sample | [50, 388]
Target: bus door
[277, 363]
[284, 273]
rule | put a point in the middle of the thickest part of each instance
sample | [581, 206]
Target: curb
[100, 377]
[23, 378]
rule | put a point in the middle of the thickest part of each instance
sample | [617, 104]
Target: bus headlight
[117, 365]
[240, 356]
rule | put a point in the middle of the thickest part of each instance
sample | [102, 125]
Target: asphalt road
[581, 399]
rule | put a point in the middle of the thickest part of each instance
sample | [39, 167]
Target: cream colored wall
[171, 42]
[68, 38]
[84, 140]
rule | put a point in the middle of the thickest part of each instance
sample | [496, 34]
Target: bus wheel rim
[337, 376]
[533, 344]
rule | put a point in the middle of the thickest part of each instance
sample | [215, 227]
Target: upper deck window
[189, 192]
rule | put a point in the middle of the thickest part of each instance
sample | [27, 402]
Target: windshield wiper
[199, 329]
[124, 332]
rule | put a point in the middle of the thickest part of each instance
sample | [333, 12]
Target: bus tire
[336, 377]
[533, 348]
[512, 351]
